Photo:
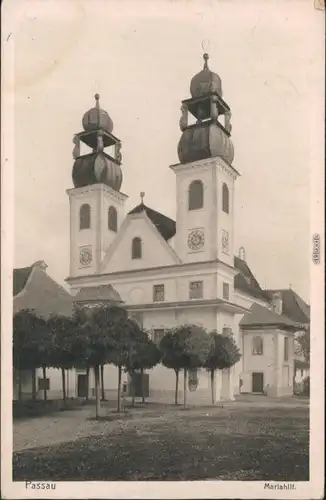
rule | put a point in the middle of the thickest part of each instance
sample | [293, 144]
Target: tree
[30, 343]
[127, 337]
[171, 357]
[62, 331]
[186, 347]
[145, 355]
[303, 343]
[224, 353]
[95, 340]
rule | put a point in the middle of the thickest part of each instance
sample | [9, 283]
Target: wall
[155, 250]
[265, 363]
[98, 237]
[211, 219]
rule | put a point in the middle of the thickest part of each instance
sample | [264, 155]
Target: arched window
[257, 346]
[196, 195]
[136, 249]
[113, 219]
[85, 217]
[225, 199]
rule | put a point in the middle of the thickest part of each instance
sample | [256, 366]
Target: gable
[155, 250]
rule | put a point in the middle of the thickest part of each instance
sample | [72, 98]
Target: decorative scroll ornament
[184, 118]
[117, 149]
[214, 113]
[228, 125]
[100, 143]
[76, 150]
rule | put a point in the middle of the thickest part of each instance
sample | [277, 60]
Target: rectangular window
[158, 334]
[43, 383]
[286, 349]
[226, 291]
[196, 290]
[158, 293]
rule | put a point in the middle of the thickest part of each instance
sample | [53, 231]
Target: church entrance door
[258, 383]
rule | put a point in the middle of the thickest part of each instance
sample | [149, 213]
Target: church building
[170, 272]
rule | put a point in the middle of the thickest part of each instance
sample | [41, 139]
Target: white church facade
[171, 272]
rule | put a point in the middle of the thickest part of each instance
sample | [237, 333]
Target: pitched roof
[246, 282]
[94, 293]
[20, 277]
[260, 316]
[293, 305]
[165, 225]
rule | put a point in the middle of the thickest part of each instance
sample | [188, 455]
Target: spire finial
[97, 99]
[142, 194]
[206, 57]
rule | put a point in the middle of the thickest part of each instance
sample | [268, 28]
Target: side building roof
[260, 317]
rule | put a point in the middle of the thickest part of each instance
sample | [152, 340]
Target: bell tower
[96, 203]
[205, 176]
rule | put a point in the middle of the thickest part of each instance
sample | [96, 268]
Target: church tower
[205, 176]
[96, 203]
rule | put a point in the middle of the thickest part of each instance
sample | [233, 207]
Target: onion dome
[96, 168]
[205, 82]
[205, 140]
[96, 118]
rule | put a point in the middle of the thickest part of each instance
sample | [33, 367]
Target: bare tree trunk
[97, 390]
[119, 388]
[142, 385]
[102, 383]
[87, 377]
[176, 386]
[33, 384]
[64, 393]
[45, 393]
[20, 387]
[185, 387]
[132, 389]
[213, 386]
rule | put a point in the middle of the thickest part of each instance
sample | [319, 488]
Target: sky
[140, 58]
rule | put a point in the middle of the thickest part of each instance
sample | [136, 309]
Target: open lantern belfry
[207, 137]
[97, 166]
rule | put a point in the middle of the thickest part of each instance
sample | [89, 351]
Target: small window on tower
[136, 248]
[85, 217]
[196, 195]
[226, 291]
[196, 290]
[113, 219]
[225, 199]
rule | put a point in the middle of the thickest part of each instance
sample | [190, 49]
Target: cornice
[206, 163]
[148, 271]
[96, 188]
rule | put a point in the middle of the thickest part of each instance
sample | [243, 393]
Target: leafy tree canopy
[224, 352]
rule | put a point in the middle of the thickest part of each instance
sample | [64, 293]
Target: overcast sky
[140, 59]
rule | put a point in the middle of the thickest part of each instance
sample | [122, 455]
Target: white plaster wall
[98, 236]
[155, 251]
[265, 363]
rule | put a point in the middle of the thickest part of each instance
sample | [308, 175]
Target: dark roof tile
[246, 282]
[165, 225]
[20, 277]
[293, 305]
